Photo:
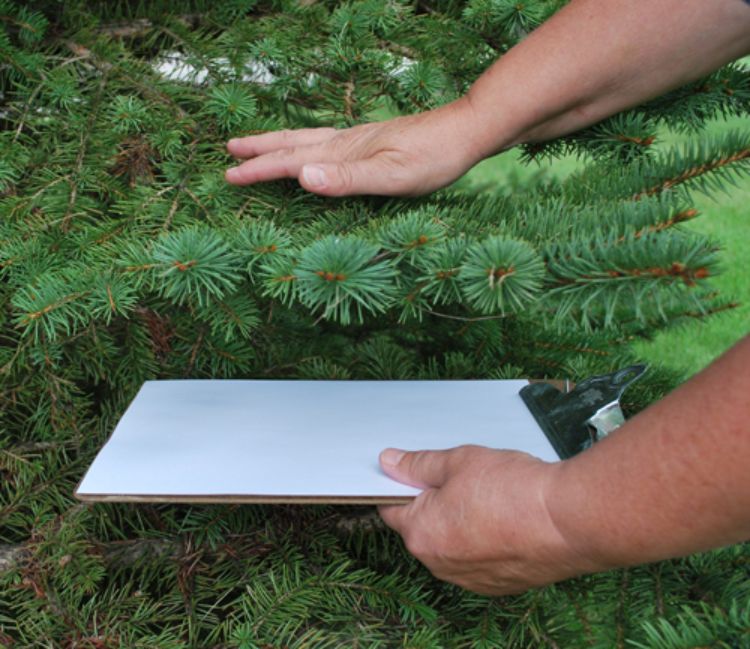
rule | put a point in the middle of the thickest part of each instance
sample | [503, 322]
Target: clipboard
[317, 442]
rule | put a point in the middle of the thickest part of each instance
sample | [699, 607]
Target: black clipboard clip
[574, 420]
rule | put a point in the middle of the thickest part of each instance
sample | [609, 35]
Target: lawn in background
[725, 217]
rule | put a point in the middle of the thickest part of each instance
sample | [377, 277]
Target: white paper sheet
[294, 440]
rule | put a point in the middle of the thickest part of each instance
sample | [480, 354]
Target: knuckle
[467, 451]
[456, 460]
[415, 461]
[353, 143]
[285, 152]
[345, 178]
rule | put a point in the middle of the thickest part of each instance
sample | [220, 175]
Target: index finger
[403, 517]
[395, 516]
[254, 145]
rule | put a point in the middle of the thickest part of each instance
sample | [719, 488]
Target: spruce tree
[124, 256]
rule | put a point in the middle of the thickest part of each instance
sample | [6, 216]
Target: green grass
[725, 217]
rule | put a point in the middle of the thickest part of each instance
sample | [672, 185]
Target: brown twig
[140, 26]
[693, 172]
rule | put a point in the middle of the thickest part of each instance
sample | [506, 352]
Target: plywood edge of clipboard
[244, 499]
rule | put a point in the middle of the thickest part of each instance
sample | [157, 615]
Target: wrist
[485, 132]
[579, 542]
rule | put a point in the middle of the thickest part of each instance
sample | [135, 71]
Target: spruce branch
[674, 219]
[601, 279]
[280, 281]
[259, 240]
[696, 171]
[148, 90]
[449, 316]
[440, 269]
[51, 309]
[194, 263]
[411, 234]
[706, 164]
[501, 275]
[65, 223]
[513, 20]
[161, 270]
[232, 105]
[336, 275]
[235, 316]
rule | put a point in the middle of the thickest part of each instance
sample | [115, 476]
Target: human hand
[482, 521]
[405, 156]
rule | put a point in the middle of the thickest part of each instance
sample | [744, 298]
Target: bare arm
[595, 58]
[591, 59]
[673, 480]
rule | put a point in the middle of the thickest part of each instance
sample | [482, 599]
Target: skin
[671, 481]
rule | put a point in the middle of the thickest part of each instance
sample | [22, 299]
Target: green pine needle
[501, 275]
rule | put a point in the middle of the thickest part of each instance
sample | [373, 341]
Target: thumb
[421, 469]
[350, 178]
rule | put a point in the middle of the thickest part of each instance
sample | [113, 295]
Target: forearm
[673, 480]
[597, 57]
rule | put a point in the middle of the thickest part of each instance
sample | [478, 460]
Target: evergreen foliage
[124, 257]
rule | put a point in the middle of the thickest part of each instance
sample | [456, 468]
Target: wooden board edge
[229, 499]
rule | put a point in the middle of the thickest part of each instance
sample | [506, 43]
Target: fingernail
[233, 173]
[391, 456]
[314, 176]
